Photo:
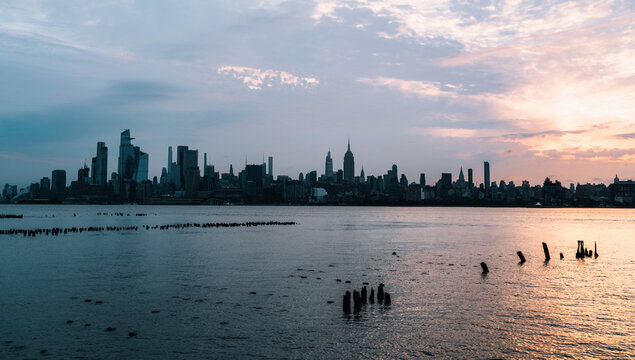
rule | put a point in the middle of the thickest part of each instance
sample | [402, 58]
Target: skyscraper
[349, 165]
[127, 164]
[422, 180]
[58, 184]
[486, 169]
[99, 165]
[270, 166]
[461, 176]
[186, 159]
[470, 179]
[328, 166]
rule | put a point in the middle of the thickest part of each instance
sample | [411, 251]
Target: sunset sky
[537, 88]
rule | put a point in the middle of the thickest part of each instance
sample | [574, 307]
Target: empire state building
[349, 165]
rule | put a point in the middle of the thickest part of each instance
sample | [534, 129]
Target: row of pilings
[11, 216]
[119, 214]
[581, 253]
[61, 231]
[361, 298]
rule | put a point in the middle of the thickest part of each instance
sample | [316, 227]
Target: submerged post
[371, 299]
[485, 269]
[346, 305]
[380, 293]
[546, 249]
[387, 299]
[364, 295]
[357, 302]
[595, 250]
[521, 256]
[579, 254]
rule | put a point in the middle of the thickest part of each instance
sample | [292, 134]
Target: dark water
[200, 282]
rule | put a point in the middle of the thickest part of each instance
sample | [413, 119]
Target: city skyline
[114, 165]
[537, 89]
[132, 164]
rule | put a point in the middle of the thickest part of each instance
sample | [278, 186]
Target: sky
[537, 88]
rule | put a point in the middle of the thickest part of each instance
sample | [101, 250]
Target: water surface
[201, 282]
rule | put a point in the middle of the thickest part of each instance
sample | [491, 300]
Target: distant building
[328, 166]
[470, 179]
[58, 184]
[349, 165]
[270, 162]
[486, 171]
[422, 180]
[99, 165]
[45, 185]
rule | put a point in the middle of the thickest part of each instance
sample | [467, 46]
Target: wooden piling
[346, 305]
[485, 269]
[364, 296]
[546, 249]
[595, 250]
[386, 299]
[371, 299]
[380, 293]
[521, 256]
[357, 302]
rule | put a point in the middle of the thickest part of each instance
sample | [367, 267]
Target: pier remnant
[364, 295]
[386, 299]
[546, 249]
[521, 256]
[371, 299]
[380, 293]
[579, 253]
[346, 304]
[357, 302]
[595, 251]
[485, 269]
[561, 256]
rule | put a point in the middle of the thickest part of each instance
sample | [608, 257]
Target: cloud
[256, 79]
[412, 87]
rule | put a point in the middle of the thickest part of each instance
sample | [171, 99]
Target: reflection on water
[265, 292]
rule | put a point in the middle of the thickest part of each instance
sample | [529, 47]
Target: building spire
[349, 143]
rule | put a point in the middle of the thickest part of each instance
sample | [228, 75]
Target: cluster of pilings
[581, 253]
[60, 231]
[361, 299]
[11, 216]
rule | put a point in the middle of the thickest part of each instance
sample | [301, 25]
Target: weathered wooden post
[579, 254]
[386, 299]
[357, 302]
[546, 249]
[346, 305]
[485, 269]
[561, 256]
[521, 256]
[595, 245]
[364, 295]
[372, 296]
[380, 293]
